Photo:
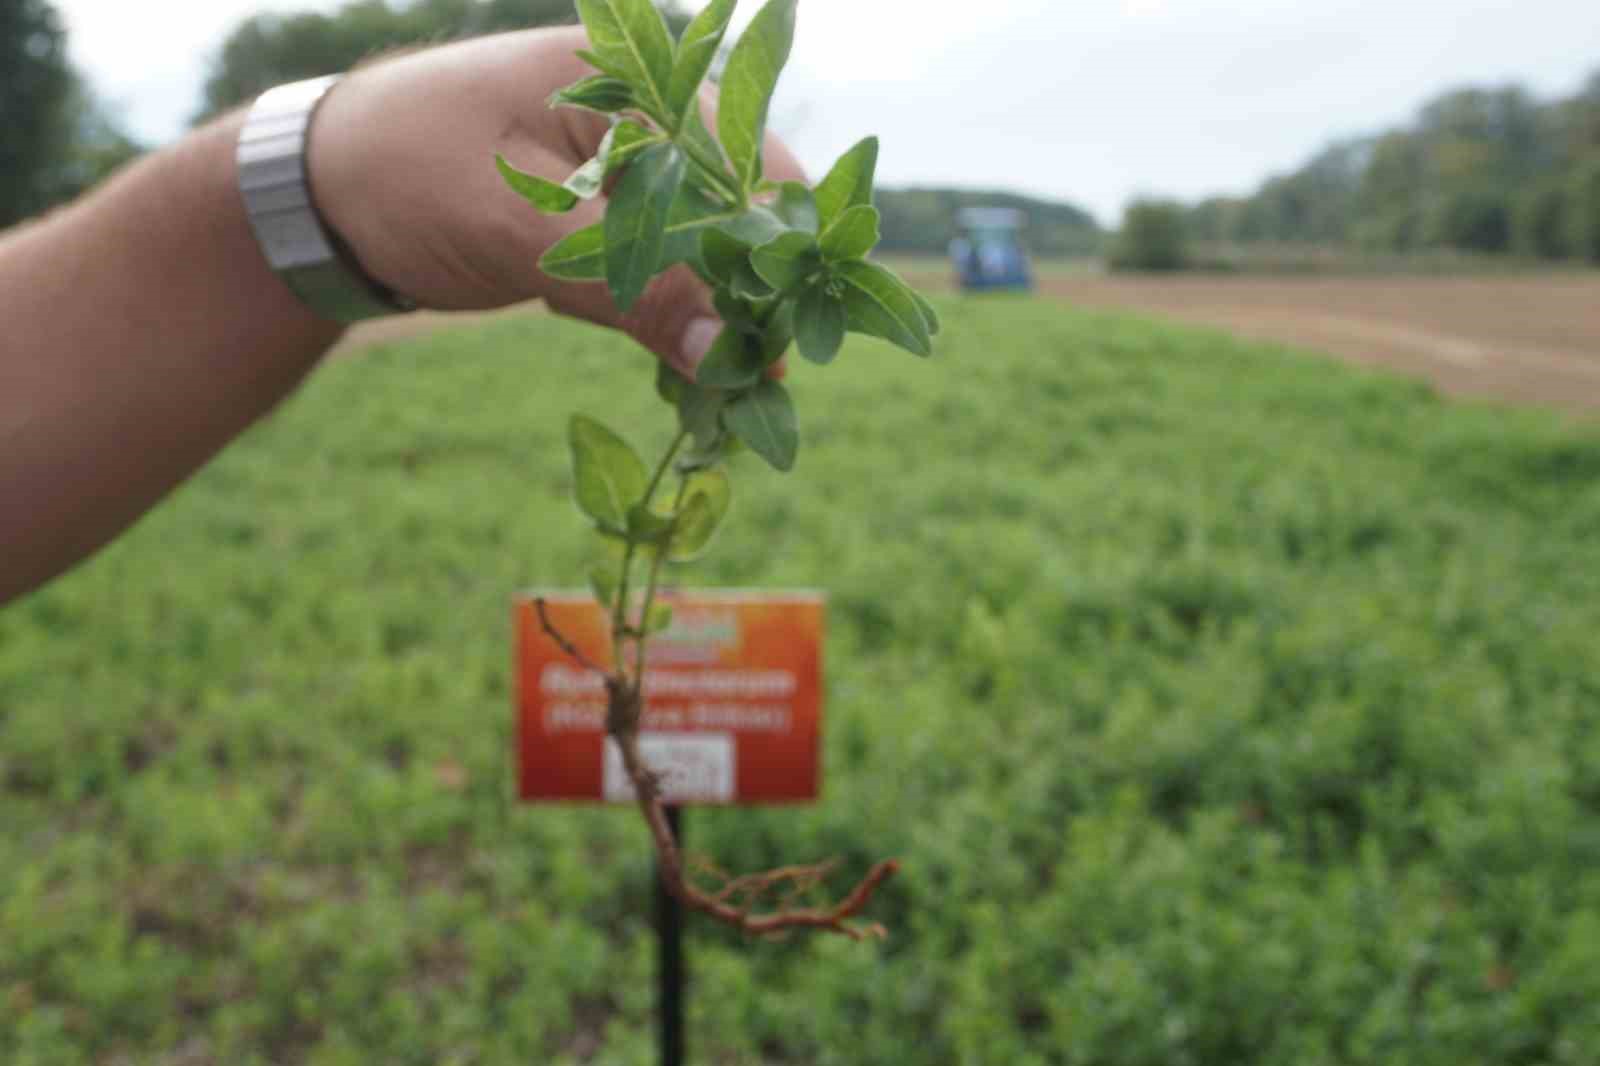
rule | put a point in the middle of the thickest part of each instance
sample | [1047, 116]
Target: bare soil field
[1528, 339]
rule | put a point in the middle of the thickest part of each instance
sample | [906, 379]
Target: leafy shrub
[1583, 212]
[1473, 220]
[1152, 237]
[1540, 222]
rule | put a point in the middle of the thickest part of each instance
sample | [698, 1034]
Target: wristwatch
[297, 242]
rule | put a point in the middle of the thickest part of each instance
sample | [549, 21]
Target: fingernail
[697, 341]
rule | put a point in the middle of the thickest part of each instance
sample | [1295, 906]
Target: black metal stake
[669, 930]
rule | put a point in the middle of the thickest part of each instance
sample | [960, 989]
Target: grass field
[1224, 705]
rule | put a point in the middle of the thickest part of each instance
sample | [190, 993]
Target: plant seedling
[788, 268]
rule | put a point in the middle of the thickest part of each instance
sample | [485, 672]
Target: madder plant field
[1224, 705]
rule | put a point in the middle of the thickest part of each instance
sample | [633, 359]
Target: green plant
[787, 266]
[1152, 238]
[1540, 221]
[1583, 211]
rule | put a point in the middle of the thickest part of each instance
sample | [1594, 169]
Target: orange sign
[733, 700]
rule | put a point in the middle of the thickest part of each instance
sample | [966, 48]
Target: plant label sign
[733, 700]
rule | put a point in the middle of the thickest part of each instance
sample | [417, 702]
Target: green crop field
[1224, 705]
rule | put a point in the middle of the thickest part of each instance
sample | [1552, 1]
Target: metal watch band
[276, 187]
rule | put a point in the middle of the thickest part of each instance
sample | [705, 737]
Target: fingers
[674, 318]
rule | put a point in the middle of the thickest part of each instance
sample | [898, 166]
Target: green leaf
[632, 39]
[797, 206]
[849, 183]
[698, 409]
[747, 85]
[601, 93]
[819, 322]
[669, 384]
[881, 305]
[699, 414]
[691, 214]
[852, 235]
[542, 193]
[778, 334]
[579, 256]
[721, 254]
[636, 221]
[623, 72]
[786, 260]
[754, 227]
[735, 312]
[609, 476]
[700, 140]
[696, 50]
[730, 364]
[604, 579]
[628, 139]
[749, 285]
[708, 495]
[646, 526]
[764, 419]
[659, 620]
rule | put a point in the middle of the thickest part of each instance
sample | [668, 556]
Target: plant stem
[716, 175]
[619, 610]
[666, 461]
[640, 652]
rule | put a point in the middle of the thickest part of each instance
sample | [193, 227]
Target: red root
[719, 904]
[724, 903]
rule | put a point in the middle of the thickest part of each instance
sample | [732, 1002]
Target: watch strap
[298, 243]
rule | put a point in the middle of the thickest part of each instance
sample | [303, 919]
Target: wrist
[287, 216]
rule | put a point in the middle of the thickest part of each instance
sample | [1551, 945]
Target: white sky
[1093, 101]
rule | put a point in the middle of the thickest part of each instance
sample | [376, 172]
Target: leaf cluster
[787, 264]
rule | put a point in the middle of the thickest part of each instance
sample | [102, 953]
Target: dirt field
[1525, 339]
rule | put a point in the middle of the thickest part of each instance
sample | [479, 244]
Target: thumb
[674, 318]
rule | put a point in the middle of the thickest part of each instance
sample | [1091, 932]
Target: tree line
[1483, 170]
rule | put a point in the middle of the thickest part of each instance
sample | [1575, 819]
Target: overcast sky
[1093, 101]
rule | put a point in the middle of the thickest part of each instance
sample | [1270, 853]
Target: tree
[1152, 237]
[36, 96]
[1473, 220]
[1479, 169]
[268, 50]
[97, 147]
[1540, 224]
[1583, 211]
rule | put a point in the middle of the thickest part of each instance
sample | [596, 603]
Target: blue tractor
[987, 252]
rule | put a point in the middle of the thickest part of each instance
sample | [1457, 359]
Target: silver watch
[302, 248]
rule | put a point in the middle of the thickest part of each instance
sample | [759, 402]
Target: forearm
[140, 331]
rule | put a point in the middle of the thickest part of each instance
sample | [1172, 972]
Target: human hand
[402, 166]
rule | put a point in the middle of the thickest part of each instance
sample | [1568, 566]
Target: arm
[143, 330]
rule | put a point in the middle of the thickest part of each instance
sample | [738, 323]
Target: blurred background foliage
[58, 140]
[1490, 171]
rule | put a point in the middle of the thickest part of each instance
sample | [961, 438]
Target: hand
[402, 165]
